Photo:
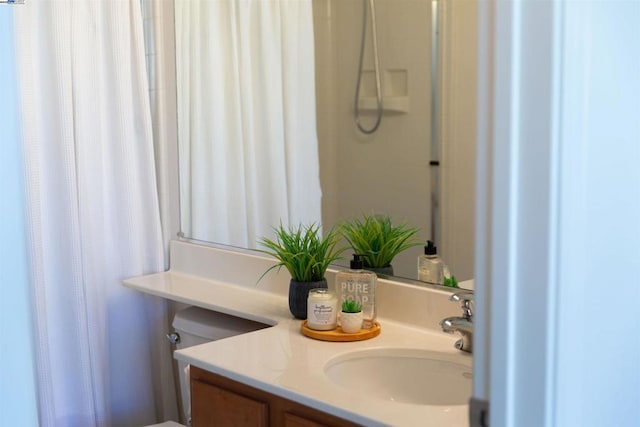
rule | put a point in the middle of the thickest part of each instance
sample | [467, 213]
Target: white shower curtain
[246, 118]
[92, 214]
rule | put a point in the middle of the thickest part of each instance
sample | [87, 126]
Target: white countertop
[282, 361]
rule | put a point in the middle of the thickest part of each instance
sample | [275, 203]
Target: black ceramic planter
[298, 294]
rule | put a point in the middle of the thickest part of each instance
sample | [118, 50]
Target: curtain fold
[159, 43]
[246, 118]
[92, 211]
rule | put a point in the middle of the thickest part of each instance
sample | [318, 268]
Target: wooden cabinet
[215, 406]
[221, 402]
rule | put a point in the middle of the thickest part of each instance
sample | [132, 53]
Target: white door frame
[559, 107]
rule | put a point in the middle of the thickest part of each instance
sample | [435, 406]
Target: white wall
[17, 376]
[387, 172]
[597, 380]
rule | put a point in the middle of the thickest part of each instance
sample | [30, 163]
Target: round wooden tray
[339, 336]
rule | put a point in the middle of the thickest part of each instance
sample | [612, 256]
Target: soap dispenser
[430, 266]
[360, 285]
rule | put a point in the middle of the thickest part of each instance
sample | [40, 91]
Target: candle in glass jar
[322, 310]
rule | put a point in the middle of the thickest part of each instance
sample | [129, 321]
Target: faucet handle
[466, 299]
[462, 296]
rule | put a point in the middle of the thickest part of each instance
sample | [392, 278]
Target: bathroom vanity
[410, 374]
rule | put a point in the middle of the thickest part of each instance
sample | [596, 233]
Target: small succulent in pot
[351, 316]
[306, 254]
[351, 306]
[378, 240]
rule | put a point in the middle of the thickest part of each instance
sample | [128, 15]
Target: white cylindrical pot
[351, 323]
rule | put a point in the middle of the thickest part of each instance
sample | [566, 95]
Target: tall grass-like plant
[303, 251]
[377, 239]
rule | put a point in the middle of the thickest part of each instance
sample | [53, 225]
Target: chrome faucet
[461, 324]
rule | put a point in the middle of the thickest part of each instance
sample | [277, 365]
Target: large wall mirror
[268, 129]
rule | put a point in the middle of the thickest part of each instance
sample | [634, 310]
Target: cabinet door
[214, 406]
[221, 401]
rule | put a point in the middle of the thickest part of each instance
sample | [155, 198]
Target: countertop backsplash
[418, 305]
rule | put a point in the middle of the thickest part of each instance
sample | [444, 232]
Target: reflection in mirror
[267, 129]
[246, 119]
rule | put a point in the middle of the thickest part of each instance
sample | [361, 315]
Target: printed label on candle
[322, 313]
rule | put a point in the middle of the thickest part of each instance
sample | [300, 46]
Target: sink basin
[412, 376]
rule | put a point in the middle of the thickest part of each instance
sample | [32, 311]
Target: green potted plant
[378, 240]
[351, 316]
[306, 254]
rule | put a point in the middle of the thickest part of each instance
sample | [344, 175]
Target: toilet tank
[195, 326]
